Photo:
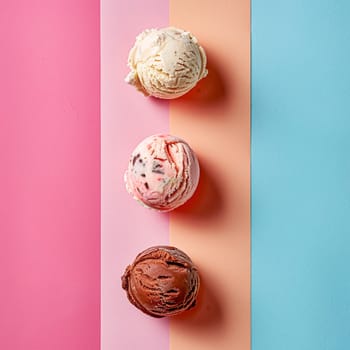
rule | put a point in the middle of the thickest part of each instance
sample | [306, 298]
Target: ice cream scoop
[166, 63]
[162, 281]
[163, 172]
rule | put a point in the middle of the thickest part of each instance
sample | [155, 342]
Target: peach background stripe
[214, 227]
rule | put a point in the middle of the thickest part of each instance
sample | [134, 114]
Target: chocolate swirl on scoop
[162, 281]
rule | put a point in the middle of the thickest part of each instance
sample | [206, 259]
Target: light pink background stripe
[127, 228]
[50, 177]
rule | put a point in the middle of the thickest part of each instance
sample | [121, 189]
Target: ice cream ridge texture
[162, 281]
[166, 63]
[163, 172]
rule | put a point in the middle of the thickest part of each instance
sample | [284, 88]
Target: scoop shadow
[208, 314]
[208, 200]
[211, 90]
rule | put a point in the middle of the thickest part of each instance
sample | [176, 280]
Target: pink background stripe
[50, 175]
[127, 228]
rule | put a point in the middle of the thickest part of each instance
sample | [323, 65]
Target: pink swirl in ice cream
[163, 172]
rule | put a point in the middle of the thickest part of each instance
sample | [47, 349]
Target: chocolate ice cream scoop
[162, 281]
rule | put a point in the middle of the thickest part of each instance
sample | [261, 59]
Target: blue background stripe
[300, 174]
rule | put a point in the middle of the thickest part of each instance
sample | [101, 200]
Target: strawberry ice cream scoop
[163, 172]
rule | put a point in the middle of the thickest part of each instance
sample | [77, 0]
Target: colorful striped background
[269, 225]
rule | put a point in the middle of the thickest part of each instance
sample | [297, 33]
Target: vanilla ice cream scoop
[166, 63]
[163, 172]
